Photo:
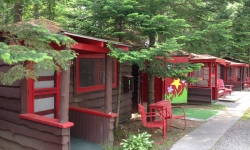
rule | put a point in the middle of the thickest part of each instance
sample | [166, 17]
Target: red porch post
[64, 98]
[225, 74]
[108, 84]
[191, 76]
[215, 80]
[210, 75]
[234, 74]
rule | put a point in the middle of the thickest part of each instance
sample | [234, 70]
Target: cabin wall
[96, 99]
[92, 128]
[204, 82]
[237, 83]
[237, 86]
[20, 134]
[197, 95]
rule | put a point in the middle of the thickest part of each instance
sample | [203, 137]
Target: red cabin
[174, 90]
[206, 89]
[30, 110]
[235, 73]
[207, 75]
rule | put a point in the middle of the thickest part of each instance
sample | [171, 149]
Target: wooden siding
[95, 99]
[237, 86]
[20, 134]
[95, 128]
[199, 95]
[17, 133]
[92, 128]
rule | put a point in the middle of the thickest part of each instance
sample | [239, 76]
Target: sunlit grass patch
[196, 113]
[215, 106]
[246, 115]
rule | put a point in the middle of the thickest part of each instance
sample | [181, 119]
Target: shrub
[137, 142]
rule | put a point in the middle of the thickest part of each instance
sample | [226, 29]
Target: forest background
[152, 27]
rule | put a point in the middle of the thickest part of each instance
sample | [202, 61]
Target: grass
[196, 113]
[215, 106]
[246, 115]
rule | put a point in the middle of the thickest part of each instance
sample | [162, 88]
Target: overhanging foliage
[24, 42]
[151, 60]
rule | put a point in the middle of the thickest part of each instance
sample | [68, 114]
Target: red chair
[170, 115]
[220, 83]
[153, 123]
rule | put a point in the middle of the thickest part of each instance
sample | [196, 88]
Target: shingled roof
[52, 26]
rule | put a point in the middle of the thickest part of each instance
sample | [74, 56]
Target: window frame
[97, 87]
[199, 74]
[33, 92]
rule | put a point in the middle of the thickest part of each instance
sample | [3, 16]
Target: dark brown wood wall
[20, 134]
[237, 86]
[92, 128]
[95, 100]
[198, 95]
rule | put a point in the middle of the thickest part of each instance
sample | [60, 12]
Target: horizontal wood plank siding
[21, 134]
[24, 132]
[199, 95]
[237, 86]
[10, 92]
[10, 104]
[31, 134]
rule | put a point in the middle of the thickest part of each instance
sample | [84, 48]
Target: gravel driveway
[236, 138]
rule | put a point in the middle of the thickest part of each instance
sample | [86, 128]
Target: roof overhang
[207, 60]
[92, 44]
[238, 65]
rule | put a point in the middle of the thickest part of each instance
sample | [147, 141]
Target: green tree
[24, 41]
[210, 25]
[200, 26]
[191, 24]
[139, 22]
[241, 34]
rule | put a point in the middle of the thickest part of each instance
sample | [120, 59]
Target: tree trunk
[7, 15]
[119, 83]
[151, 79]
[118, 96]
[151, 40]
[18, 11]
[36, 11]
[49, 10]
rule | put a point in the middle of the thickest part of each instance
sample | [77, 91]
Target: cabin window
[90, 72]
[199, 74]
[213, 70]
[230, 72]
[44, 94]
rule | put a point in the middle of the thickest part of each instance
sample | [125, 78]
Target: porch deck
[79, 144]
[235, 96]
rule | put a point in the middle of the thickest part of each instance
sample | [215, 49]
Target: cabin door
[44, 94]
